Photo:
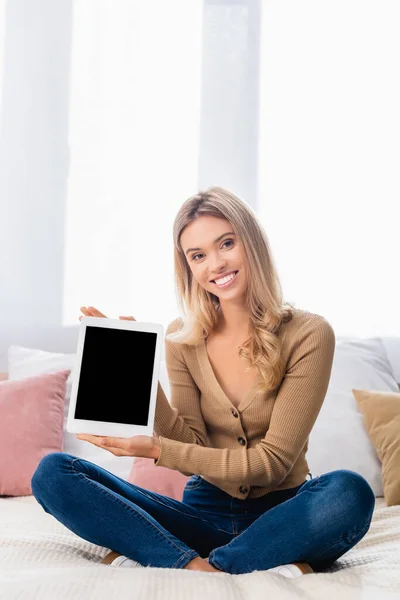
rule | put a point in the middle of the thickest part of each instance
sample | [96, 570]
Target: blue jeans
[315, 522]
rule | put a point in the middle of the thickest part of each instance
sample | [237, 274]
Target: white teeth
[225, 279]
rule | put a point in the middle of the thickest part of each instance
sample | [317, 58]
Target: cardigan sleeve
[296, 407]
[181, 419]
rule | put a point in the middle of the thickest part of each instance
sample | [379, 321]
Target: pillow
[31, 426]
[25, 362]
[339, 439]
[381, 412]
[161, 480]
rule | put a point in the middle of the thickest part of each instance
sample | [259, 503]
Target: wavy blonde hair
[263, 298]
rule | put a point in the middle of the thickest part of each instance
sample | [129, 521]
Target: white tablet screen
[116, 376]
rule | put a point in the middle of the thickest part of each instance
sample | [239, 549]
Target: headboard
[57, 339]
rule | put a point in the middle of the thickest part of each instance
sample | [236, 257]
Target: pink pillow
[161, 480]
[31, 426]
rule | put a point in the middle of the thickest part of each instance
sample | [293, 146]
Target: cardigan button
[234, 413]
[243, 489]
[241, 441]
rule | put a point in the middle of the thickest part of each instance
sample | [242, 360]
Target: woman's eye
[225, 242]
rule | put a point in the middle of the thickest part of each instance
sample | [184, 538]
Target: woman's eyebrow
[215, 241]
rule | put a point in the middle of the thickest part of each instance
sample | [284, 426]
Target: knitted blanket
[40, 559]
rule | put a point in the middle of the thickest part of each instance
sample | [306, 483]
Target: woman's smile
[226, 281]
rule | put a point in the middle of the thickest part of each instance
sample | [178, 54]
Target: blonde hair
[263, 300]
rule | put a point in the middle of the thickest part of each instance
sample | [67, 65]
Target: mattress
[41, 559]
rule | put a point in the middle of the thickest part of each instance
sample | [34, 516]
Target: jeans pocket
[194, 482]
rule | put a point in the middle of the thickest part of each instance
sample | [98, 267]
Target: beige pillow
[381, 413]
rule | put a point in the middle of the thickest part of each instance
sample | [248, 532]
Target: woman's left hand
[139, 445]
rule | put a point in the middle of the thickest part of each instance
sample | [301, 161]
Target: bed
[41, 559]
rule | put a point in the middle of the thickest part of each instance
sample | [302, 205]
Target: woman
[248, 378]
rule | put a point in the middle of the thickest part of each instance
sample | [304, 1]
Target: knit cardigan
[259, 446]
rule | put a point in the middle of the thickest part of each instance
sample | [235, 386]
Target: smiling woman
[218, 243]
[248, 375]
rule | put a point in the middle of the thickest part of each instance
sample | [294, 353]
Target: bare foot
[201, 564]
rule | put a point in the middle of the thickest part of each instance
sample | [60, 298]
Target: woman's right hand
[90, 311]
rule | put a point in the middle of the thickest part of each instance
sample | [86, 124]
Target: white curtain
[327, 147]
[134, 137]
[329, 157]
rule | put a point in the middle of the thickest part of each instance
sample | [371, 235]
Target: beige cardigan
[260, 446]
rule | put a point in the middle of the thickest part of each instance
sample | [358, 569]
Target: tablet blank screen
[116, 376]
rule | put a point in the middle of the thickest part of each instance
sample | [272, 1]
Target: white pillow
[339, 439]
[26, 362]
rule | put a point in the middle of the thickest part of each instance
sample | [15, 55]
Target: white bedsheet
[40, 559]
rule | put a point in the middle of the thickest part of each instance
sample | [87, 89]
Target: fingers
[90, 311]
[86, 312]
[96, 313]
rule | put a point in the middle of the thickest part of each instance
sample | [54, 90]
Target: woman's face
[212, 250]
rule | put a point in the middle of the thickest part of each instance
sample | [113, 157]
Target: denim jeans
[315, 522]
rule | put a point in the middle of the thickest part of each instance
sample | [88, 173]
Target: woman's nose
[217, 270]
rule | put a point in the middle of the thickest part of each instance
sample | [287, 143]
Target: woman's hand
[90, 311]
[145, 446]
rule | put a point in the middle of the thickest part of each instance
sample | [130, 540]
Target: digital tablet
[115, 377]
